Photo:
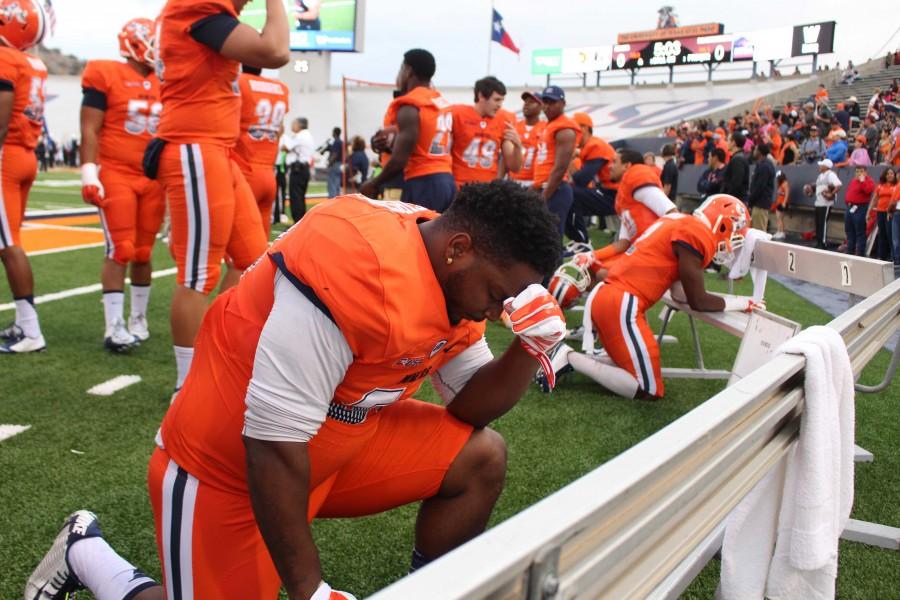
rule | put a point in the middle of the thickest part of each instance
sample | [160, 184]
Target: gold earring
[449, 260]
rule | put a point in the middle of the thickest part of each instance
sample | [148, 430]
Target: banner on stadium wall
[547, 61]
[815, 38]
[668, 33]
[673, 52]
[762, 45]
[586, 60]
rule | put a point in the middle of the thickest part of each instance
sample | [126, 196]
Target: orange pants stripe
[18, 168]
[621, 323]
[208, 542]
[212, 211]
[132, 216]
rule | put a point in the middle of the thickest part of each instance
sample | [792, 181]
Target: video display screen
[664, 53]
[315, 24]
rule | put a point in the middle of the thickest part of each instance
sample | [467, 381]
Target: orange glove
[92, 191]
[536, 318]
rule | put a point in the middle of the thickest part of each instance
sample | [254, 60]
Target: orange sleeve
[605, 253]
[690, 236]
[94, 77]
[192, 12]
[9, 66]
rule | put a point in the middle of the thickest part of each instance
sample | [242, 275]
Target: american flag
[51, 15]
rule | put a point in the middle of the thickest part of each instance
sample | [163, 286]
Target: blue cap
[553, 93]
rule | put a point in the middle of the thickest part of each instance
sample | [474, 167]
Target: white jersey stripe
[6, 237]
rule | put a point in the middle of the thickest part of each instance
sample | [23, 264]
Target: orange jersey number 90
[442, 140]
[143, 117]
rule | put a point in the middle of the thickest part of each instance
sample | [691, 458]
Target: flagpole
[490, 40]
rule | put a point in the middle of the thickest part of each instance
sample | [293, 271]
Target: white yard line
[80, 291]
[108, 388]
[65, 249]
[7, 431]
[55, 192]
[27, 225]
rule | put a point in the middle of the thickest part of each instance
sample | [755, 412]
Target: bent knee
[123, 253]
[487, 450]
[142, 254]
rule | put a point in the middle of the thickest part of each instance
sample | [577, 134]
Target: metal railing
[645, 523]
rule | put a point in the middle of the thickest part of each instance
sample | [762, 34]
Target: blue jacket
[838, 152]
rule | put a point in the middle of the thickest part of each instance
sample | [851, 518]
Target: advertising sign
[815, 38]
[547, 61]
[586, 60]
[762, 45]
[669, 33]
[672, 52]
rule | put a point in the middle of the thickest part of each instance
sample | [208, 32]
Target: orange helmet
[136, 41]
[728, 219]
[569, 282]
[23, 23]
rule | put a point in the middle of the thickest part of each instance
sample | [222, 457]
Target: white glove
[743, 304]
[91, 189]
[536, 318]
[324, 592]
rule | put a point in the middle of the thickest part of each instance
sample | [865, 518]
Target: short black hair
[739, 139]
[336, 132]
[763, 149]
[668, 150]
[421, 62]
[630, 156]
[508, 223]
[719, 153]
[251, 70]
[486, 86]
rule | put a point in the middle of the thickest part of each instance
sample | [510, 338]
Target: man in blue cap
[554, 154]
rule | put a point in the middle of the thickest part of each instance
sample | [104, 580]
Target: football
[383, 140]
[808, 189]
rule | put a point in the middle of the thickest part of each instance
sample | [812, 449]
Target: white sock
[140, 298]
[106, 574]
[183, 357]
[113, 307]
[26, 317]
[615, 379]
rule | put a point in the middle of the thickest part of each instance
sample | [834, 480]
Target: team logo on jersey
[147, 85]
[483, 124]
[407, 363]
[438, 346]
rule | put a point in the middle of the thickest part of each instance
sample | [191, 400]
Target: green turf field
[91, 452]
[336, 15]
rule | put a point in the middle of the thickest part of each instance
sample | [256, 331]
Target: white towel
[781, 541]
[741, 263]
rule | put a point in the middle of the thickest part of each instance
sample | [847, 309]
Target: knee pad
[123, 253]
[142, 254]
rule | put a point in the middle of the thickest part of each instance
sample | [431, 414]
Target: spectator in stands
[860, 156]
[813, 148]
[870, 132]
[737, 172]
[858, 195]
[885, 148]
[853, 110]
[669, 174]
[650, 161]
[895, 218]
[762, 188]
[789, 151]
[782, 198]
[827, 187]
[359, 163]
[842, 116]
[821, 94]
[712, 181]
[884, 192]
[837, 153]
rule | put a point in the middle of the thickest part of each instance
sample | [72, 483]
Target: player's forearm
[90, 145]
[706, 302]
[512, 157]
[276, 32]
[394, 167]
[278, 481]
[495, 388]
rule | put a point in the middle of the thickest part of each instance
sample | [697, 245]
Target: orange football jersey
[546, 150]
[198, 86]
[594, 149]
[530, 136]
[649, 267]
[636, 216]
[431, 153]
[476, 143]
[264, 104]
[26, 77]
[132, 111]
[389, 307]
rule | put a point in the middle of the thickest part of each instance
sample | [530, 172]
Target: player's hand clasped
[536, 318]
[326, 593]
[91, 189]
[744, 304]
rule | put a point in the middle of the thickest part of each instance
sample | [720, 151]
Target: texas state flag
[499, 35]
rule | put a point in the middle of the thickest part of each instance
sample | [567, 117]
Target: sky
[457, 32]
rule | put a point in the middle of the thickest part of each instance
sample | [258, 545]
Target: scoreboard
[673, 52]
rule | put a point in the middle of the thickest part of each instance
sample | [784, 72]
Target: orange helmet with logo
[136, 41]
[23, 23]
[728, 219]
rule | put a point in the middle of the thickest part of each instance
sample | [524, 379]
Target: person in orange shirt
[593, 191]
[301, 404]
[23, 83]
[782, 201]
[211, 207]
[421, 117]
[264, 104]
[821, 94]
[119, 115]
[676, 249]
[884, 192]
[483, 134]
[530, 129]
[554, 155]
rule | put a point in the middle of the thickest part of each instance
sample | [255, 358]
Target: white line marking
[55, 210]
[7, 431]
[81, 291]
[54, 183]
[86, 227]
[65, 249]
[55, 192]
[108, 388]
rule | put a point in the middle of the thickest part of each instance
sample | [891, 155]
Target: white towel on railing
[781, 541]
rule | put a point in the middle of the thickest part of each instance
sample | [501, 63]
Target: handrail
[631, 527]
